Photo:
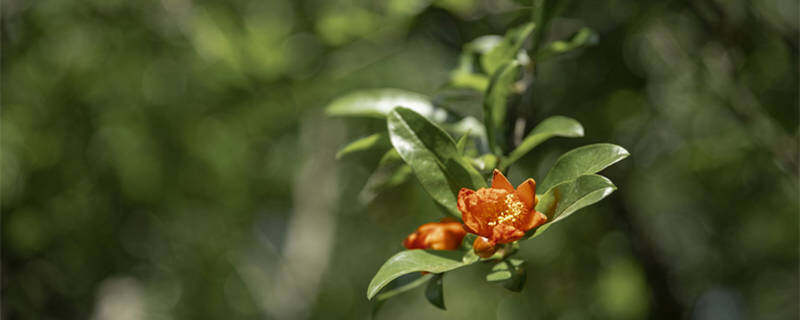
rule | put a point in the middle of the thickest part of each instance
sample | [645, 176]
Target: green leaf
[404, 262]
[466, 103]
[474, 81]
[377, 103]
[500, 91]
[583, 160]
[465, 75]
[556, 126]
[582, 38]
[399, 286]
[483, 44]
[433, 156]
[484, 163]
[470, 125]
[510, 273]
[383, 178]
[434, 292]
[507, 49]
[462, 143]
[540, 20]
[391, 172]
[389, 157]
[568, 197]
[543, 12]
[378, 141]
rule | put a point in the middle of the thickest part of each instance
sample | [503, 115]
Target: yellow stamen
[514, 208]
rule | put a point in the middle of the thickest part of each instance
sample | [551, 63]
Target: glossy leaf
[378, 141]
[435, 291]
[568, 197]
[510, 273]
[500, 91]
[377, 103]
[506, 50]
[581, 161]
[582, 38]
[433, 156]
[404, 262]
[556, 126]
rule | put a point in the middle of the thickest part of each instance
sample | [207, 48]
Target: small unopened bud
[483, 247]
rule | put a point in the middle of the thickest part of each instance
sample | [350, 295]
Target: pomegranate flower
[444, 235]
[499, 214]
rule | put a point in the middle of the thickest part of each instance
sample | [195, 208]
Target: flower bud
[444, 235]
[483, 247]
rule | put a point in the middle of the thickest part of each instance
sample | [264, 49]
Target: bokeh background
[171, 159]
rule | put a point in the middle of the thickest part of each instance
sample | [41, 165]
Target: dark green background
[170, 159]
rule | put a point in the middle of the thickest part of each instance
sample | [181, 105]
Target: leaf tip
[579, 132]
[624, 153]
[371, 292]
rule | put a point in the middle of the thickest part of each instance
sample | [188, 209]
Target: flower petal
[471, 224]
[480, 208]
[504, 233]
[499, 181]
[526, 192]
[536, 219]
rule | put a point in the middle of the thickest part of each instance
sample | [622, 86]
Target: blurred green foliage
[169, 159]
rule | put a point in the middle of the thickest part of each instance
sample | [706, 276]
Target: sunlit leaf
[582, 38]
[378, 141]
[568, 197]
[433, 156]
[556, 126]
[404, 262]
[510, 273]
[377, 103]
[580, 161]
[507, 49]
[500, 91]
[435, 292]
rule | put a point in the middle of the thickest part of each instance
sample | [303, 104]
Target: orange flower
[444, 235]
[499, 214]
